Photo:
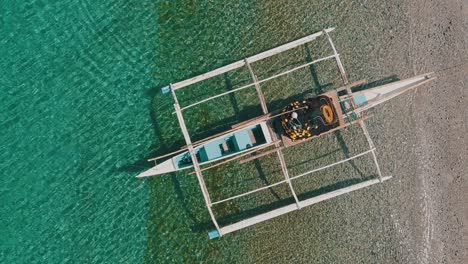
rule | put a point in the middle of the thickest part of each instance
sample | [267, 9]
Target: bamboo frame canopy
[277, 144]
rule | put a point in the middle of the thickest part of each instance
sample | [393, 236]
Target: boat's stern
[162, 168]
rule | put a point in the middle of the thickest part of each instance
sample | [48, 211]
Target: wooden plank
[258, 219]
[341, 191]
[251, 59]
[284, 168]
[210, 74]
[196, 166]
[287, 46]
[371, 145]
[261, 97]
[258, 82]
[169, 154]
[338, 62]
[292, 207]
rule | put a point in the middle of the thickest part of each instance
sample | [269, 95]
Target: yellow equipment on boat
[306, 118]
[327, 113]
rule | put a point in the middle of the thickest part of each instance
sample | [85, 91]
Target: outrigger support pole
[261, 97]
[284, 167]
[353, 104]
[196, 166]
[371, 145]
[292, 207]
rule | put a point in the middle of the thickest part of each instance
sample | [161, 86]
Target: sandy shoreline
[439, 43]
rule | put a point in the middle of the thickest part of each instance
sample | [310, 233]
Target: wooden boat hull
[370, 98]
[242, 140]
[165, 167]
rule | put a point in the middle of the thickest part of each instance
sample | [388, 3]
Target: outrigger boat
[296, 123]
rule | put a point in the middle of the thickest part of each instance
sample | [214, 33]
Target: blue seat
[242, 140]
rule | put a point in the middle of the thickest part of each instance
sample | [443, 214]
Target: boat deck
[288, 142]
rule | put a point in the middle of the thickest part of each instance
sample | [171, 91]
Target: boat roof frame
[220, 231]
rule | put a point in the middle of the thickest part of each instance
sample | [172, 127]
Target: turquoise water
[74, 113]
[81, 111]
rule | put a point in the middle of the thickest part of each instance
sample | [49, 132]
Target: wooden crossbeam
[284, 168]
[338, 61]
[353, 104]
[208, 75]
[168, 154]
[241, 63]
[261, 97]
[292, 207]
[260, 81]
[196, 166]
[371, 145]
[287, 46]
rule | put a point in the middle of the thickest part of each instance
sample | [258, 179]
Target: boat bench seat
[252, 137]
[224, 146]
[242, 140]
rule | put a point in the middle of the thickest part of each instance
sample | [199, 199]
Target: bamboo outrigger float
[298, 122]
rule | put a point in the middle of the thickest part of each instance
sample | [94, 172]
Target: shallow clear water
[74, 113]
[81, 110]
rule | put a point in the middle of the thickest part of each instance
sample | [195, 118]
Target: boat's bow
[369, 98]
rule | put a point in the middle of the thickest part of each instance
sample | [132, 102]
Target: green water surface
[81, 111]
